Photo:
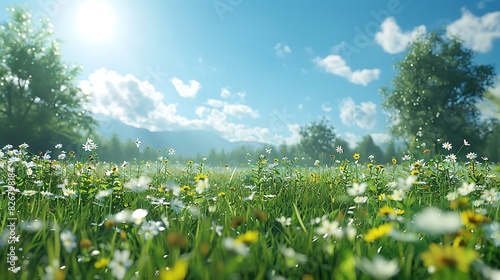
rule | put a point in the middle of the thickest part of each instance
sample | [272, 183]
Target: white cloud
[381, 138]
[477, 33]
[336, 65]
[392, 39]
[137, 103]
[188, 90]
[362, 115]
[225, 93]
[326, 107]
[237, 110]
[281, 50]
[352, 139]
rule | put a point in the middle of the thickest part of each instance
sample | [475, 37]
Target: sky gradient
[252, 70]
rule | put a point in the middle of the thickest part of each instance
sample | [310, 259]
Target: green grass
[236, 227]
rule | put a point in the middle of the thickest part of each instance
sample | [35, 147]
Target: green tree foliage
[437, 88]
[40, 103]
[319, 139]
[367, 147]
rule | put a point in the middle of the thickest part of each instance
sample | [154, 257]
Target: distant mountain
[186, 142]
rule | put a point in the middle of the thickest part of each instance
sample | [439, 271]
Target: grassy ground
[271, 219]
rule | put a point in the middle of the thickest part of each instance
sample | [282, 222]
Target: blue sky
[252, 70]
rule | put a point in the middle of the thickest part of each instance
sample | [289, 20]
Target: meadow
[75, 217]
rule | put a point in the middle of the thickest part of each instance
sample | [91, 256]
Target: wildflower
[218, 229]
[426, 151]
[379, 267]
[451, 158]
[177, 272]
[490, 196]
[171, 151]
[466, 188]
[378, 232]
[202, 185]
[405, 184]
[120, 263]
[471, 155]
[249, 237]
[447, 146]
[284, 221]
[268, 151]
[414, 172]
[150, 229]
[466, 143]
[250, 197]
[292, 258]
[316, 162]
[58, 146]
[89, 146]
[398, 195]
[328, 228]
[137, 184]
[493, 232]
[472, 220]
[355, 156]
[460, 203]
[339, 149]
[103, 193]
[360, 199]
[434, 221]
[451, 196]
[394, 161]
[386, 211]
[238, 247]
[101, 263]
[176, 205]
[439, 257]
[406, 157]
[68, 240]
[357, 189]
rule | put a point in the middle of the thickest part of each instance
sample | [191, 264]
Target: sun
[95, 20]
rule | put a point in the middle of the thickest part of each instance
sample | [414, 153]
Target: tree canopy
[435, 92]
[40, 101]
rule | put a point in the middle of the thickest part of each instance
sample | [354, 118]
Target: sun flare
[95, 20]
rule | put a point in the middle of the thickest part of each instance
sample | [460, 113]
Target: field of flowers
[69, 217]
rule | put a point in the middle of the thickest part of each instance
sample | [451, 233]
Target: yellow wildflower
[177, 272]
[448, 256]
[377, 232]
[101, 263]
[472, 219]
[355, 156]
[248, 237]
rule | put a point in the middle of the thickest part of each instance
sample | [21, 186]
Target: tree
[367, 147]
[40, 102]
[319, 139]
[436, 89]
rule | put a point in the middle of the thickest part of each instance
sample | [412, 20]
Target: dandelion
[434, 221]
[101, 263]
[249, 237]
[339, 149]
[357, 189]
[284, 221]
[378, 232]
[68, 240]
[177, 272]
[447, 146]
[379, 267]
[439, 257]
[120, 263]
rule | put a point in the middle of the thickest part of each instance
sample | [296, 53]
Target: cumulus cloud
[137, 103]
[392, 39]
[282, 49]
[225, 93]
[362, 115]
[336, 65]
[188, 90]
[380, 138]
[477, 33]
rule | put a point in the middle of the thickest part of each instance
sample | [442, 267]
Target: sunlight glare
[95, 20]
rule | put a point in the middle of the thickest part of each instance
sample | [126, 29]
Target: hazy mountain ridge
[185, 142]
